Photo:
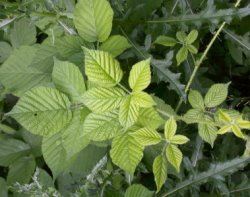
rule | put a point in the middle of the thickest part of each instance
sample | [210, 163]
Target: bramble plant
[92, 108]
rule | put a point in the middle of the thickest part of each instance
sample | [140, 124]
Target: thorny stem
[200, 61]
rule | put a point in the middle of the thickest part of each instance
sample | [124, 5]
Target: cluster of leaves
[87, 91]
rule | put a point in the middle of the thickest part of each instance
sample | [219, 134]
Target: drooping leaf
[102, 68]
[166, 41]
[148, 117]
[137, 190]
[196, 100]
[129, 112]
[23, 33]
[170, 128]
[143, 99]
[5, 51]
[21, 170]
[12, 150]
[181, 55]
[174, 156]
[216, 95]
[147, 136]
[93, 19]
[115, 45]
[102, 99]
[42, 111]
[126, 152]
[160, 171]
[103, 126]
[17, 76]
[140, 75]
[68, 79]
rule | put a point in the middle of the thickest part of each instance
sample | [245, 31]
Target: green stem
[124, 88]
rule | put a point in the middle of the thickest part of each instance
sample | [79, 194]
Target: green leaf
[18, 76]
[102, 99]
[179, 139]
[5, 51]
[244, 124]
[102, 68]
[104, 126]
[3, 188]
[143, 99]
[7, 129]
[55, 154]
[68, 79]
[129, 112]
[137, 190]
[11, 150]
[192, 49]
[170, 128]
[74, 135]
[147, 136]
[160, 171]
[236, 130]
[21, 171]
[93, 19]
[148, 117]
[140, 75]
[115, 45]
[181, 55]
[192, 36]
[194, 116]
[208, 133]
[42, 111]
[216, 95]
[126, 152]
[174, 156]
[224, 116]
[23, 33]
[181, 36]
[196, 100]
[225, 129]
[166, 41]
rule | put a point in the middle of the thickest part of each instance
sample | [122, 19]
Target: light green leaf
[147, 136]
[179, 139]
[181, 36]
[137, 190]
[17, 76]
[68, 79]
[225, 129]
[42, 111]
[160, 171]
[148, 117]
[174, 156]
[104, 126]
[74, 136]
[23, 33]
[170, 128]
[196, 100]
[5, 51]
[216, 95]
[129, 112]
[181, 55]
[102, 68]
[93, 19]
[236, 130]
[143, 99]
[208, 133]
[126, 152]
[224, 116]
[102, 99]
[11, 150]
[55, 154]
[21, 171]
[192, 36]
[194, 116]
[244, 124]
[115, 45]
[192, 49]
[140, 75]
[7, 129]
[166, 41]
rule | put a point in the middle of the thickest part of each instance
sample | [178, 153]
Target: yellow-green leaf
[179, 139]
[160, 171]
[174, 156]
[166, 41]
[143, 99]
[224, 129]
[244, 124]
[170, 128]
[195, 99]
[181, 55]
[192, 36]
[208, 133]
[147, 136]
[236, 130]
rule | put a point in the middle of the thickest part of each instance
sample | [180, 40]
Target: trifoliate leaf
[147, 136]
[42, 111]
[102, 68]
[160, 171]
[196, 100]
[179, 139]
[143, 99]
[102, 99]
[216, 95]
[115, 45]
[126, 152]
[140, 75]
[166, 41]
[174, 156]
[170, 128]
[93, 19]
[192, 36]
[181, 55]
